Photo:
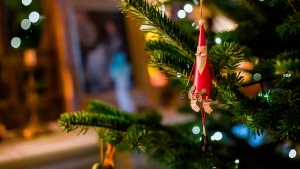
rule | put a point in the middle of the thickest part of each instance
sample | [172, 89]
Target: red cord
[190, 75]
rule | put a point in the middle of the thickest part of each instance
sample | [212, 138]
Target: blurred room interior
[48, 66]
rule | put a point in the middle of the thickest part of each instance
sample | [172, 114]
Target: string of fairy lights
[33, 18]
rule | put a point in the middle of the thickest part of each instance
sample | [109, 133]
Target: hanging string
[203, 115]
[201, 6]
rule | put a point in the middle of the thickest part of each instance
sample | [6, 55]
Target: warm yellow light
[157, 78]
[244, 66]
[30, 57]
[163, 1]
[151, 36]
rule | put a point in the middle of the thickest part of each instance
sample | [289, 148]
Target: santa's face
[201, 58]
[203, 51]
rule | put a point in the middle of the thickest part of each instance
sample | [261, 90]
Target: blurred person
[97, 75]
[94, 53]
[119, 69]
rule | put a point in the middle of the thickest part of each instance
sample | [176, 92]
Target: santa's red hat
[202, 39]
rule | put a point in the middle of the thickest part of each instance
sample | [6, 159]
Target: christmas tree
[267, 36]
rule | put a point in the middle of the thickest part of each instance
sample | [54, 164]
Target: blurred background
[58, 55]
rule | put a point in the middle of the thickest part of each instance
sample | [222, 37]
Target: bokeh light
[15, 42]
[26, 2]
[217, 136]
[292, 153]
[34, 17]
[25, 24]
[218, 40]
[196, 130]
[181, 14]
[196, 2]
[157, 78]
[188, 8]
[257, 76]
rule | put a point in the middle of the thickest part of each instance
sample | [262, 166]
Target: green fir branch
[170, 64]
[228, 87]
[292, 54]
[287, 103]
[135, 139]
[255, 7]
[289, 66]
[227, 56]
[135, 133]
[277, 110]
[290, 26]
[71, 121]
[167, 48]
[275, 2]
[287, 69]
[256, 112]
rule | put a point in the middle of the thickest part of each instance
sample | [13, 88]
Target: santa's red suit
[202, 83]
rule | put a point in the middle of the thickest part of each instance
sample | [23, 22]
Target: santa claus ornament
[200, 92]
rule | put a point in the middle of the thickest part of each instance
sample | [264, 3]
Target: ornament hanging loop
[201, 6]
